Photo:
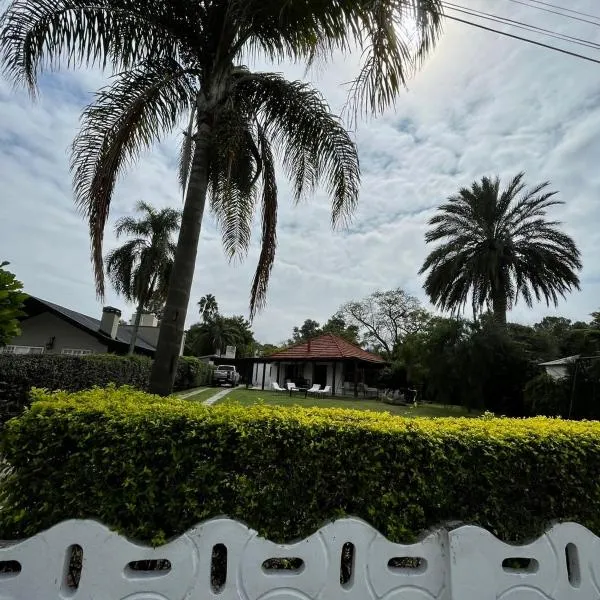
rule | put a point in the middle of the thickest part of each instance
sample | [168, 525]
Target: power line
[521, 25]
[562, 8]
[555, 12]
[529, 41]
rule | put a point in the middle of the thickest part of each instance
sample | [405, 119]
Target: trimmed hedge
[153, 467]
[18, 374]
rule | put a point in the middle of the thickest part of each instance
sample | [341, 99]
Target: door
[320, 375]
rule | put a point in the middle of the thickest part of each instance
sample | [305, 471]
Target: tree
[337, 325]
[139, 270]
[177, 59]
[208, 307]
[496, 246]
[11, 304]
[385, 318]
[309, 329]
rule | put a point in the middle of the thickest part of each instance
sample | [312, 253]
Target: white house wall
[307, 372]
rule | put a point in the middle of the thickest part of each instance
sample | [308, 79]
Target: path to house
[218, 396]
[191, 392]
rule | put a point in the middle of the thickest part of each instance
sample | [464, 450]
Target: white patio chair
[291, 387]
[277, 387]
[314, 389]
[325, 391]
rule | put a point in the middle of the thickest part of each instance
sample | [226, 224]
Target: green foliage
[11, 305]
[546, 396]
[218, 332]
[18, 374]
[496, 245]
[152, 467]
[385, 319]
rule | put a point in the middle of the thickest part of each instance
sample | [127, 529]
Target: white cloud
[482, 104]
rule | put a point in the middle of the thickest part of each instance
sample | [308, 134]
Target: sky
[481, 105]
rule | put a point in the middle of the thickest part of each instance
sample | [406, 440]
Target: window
[23, 349]
[75, 351]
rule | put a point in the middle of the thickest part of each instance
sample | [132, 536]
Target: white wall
[461, 564]
[307, 373]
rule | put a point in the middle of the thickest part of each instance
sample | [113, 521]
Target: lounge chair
[277, 387]
[291, 387]
[325, 391]
[314, 389]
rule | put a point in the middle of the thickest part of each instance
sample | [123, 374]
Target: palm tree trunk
[499, 305]
[136, 326]
[180, 284]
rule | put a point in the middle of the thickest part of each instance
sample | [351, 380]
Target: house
[327, 360]
[53, 329]
[559, 369]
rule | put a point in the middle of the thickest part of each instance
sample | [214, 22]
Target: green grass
[248, 397]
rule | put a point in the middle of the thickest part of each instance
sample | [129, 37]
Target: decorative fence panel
[345, 560]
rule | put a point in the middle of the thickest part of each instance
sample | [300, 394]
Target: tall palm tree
[140, 269]
[498, 245]
[177, 59]
[208, 307]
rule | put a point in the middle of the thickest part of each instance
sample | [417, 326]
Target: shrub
[191, 373]
[153, 467]
[18, 374]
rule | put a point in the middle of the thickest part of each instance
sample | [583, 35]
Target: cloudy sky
[482, 104]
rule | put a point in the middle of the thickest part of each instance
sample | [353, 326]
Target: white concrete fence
[84, 560]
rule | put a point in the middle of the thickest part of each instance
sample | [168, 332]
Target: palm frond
[232, 189]
[129, 116]
[266, 259]
[496, 244]
[47, 34]
[312, 143]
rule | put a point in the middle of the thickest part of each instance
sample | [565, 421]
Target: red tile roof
[326, 346]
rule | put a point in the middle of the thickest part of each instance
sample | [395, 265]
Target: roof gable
[89, 324]
[326, 346]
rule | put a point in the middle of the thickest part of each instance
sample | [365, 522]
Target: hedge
[152, 467]
[18, 374]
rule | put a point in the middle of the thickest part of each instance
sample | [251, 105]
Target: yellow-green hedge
[153, 467]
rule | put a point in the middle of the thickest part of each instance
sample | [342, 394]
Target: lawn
[248, 397]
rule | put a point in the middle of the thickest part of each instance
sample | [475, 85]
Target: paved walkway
[191, 392]
[218, 396]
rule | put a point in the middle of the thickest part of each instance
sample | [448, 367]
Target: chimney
[109, 323]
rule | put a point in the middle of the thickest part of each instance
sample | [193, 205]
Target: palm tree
[177, 59]
[208, 307]
[140, 268]
[496, 246]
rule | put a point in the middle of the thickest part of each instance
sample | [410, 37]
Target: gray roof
[567, 360]
[93, 325]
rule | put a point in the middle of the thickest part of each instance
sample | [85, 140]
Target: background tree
[335, 324]
[496, 246]
[139, 270]
[385, 318]
[208, 307]
[11, 304]
[185, 59]
[309, 329]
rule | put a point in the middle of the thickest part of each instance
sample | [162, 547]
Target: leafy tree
[11, 305]
[208, 307]
[266, 349]
[497, 245]
[386, 318]
[177, 59]
[139, 270]
[309, 329]
[338, 326]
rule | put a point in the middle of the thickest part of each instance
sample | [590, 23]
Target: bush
[18, 374]
[153, 467]
[191, 373]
